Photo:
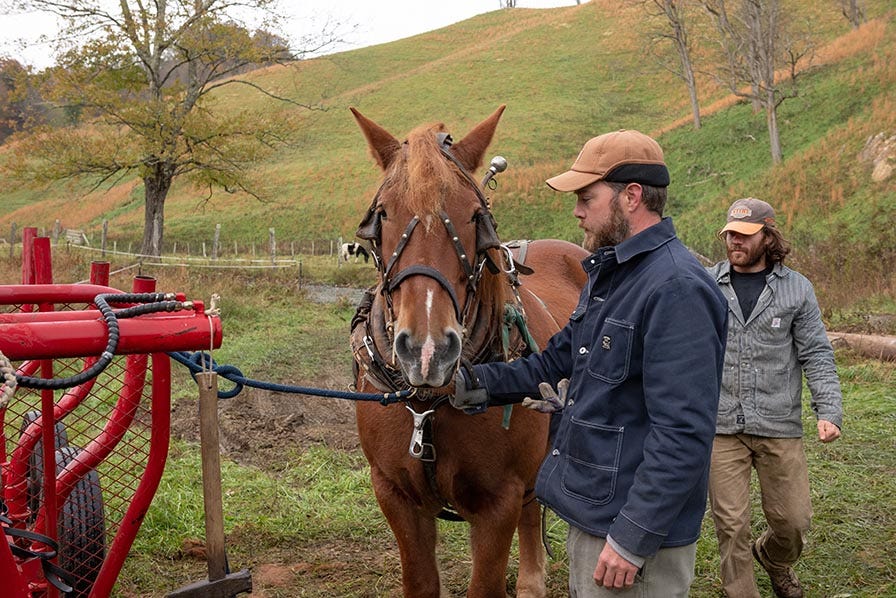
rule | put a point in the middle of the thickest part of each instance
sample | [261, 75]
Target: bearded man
[775, 335]
[637, 371]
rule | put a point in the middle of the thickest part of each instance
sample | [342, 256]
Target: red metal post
[158, 452]
[99, 273]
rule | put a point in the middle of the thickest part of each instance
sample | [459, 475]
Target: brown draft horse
[445, 291]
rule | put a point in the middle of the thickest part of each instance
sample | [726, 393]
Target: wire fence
[272, 252]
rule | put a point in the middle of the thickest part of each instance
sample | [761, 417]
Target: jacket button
[583, 350]
[555, 452]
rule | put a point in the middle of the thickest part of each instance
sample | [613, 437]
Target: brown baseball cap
[748, 216]
[624, 156]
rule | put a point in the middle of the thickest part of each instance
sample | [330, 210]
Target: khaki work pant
[667, 574]
[783, 475]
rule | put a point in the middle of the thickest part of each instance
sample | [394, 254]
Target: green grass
[315, 512]
[323, 498]
[565, 74]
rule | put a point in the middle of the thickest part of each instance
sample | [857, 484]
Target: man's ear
[632, 195]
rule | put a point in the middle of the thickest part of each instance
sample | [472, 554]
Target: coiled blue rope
[202, 362]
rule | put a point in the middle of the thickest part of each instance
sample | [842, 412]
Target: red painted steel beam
[151, 333]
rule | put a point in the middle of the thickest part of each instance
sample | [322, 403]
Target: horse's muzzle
[430, 362]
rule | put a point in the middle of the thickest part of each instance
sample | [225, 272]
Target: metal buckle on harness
[511, 270]
[418, 449]
[367, 343]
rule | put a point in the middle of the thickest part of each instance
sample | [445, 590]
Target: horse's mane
[425, 178]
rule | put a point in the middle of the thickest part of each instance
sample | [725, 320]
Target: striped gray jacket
[767, 355]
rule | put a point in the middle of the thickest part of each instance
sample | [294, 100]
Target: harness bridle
[385, 375]
[486, 239]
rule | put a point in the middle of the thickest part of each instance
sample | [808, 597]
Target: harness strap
[459, 248]
[420, 270]
[405, 237]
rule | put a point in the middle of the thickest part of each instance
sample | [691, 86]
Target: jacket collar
[724, 275]
[646, 241]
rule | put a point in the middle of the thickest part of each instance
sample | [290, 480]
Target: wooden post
[272, 242]
[215, 242]
[103, 238]
[12, 240]
[211, 474]
[219, 583]
[57, 227]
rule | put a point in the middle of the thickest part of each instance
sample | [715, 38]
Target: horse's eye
[383, 214]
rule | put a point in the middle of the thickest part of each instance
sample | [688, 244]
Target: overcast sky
[376, 22]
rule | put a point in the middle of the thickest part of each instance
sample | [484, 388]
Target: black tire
[36, 461]
[82, 527]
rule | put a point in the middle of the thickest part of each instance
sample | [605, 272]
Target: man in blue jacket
[638, 371]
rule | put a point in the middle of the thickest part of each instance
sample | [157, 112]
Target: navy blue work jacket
[643, 352]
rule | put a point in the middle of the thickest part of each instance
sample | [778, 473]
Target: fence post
[215, 243]
[12, 240]
[57, 226]
[103, 238]
[272, 242]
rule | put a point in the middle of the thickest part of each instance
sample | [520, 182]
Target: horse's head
[431, 231]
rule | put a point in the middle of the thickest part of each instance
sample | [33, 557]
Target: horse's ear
[471, 148]
[383, 146]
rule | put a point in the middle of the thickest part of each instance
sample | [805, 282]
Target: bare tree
[677, 33]
[144, 75]
[853, 11]
[757, 42]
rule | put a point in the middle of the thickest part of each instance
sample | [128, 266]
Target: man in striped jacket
[775, 335]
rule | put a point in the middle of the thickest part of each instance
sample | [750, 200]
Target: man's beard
[615, 231]
[747, 258]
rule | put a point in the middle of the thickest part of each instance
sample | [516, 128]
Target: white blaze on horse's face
[428, 332]
[428, 349]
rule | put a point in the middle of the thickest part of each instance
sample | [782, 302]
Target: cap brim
[744, 228]
[572, 180]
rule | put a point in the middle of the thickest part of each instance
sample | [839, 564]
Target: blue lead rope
[202, 362]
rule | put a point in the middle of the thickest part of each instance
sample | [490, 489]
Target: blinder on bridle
[370, 230]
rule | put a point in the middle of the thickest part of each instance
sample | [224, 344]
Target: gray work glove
[468, 395]
[550, 401]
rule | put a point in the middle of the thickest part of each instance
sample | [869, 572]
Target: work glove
[550, 401]
[468, 395]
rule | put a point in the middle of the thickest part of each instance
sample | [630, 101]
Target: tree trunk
[774, 139]
[688, 72]
[156, 188]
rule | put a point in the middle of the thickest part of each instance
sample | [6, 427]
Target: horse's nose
[430, 361]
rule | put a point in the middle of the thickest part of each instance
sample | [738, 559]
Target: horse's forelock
[425, 177]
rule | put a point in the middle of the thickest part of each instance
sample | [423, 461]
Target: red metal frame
[37, 335]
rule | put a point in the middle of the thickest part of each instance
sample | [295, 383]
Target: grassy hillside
[565, 74]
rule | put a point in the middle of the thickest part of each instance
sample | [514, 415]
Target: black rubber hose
[154, 302]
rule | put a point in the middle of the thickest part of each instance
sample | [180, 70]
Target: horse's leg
[530, 583]
[491, 534]
[416, 534]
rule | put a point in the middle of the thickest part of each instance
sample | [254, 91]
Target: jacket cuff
[634, 559]
[634, 538]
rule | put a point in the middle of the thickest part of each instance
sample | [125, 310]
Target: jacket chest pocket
[611, 352]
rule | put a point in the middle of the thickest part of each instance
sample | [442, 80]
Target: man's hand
[550, 401]
[613, 571]
[472, 399]
[827, 431]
